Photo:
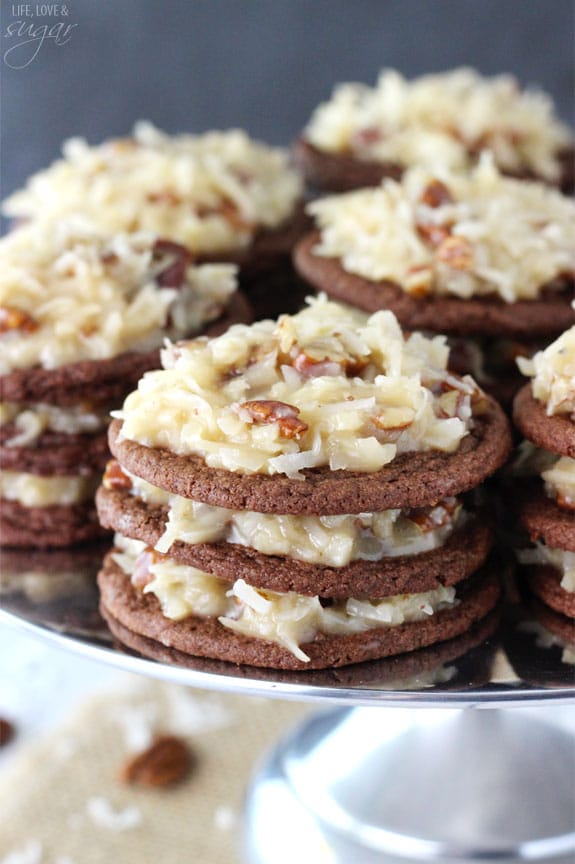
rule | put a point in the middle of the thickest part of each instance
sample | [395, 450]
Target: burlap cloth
[62, 801]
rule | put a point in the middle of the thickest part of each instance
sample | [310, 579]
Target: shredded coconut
[30, 853]
[68, 293]
[32, 490]
[211, 192]
[328, 386]
[105, 815]
[553, 374]
[444, 234]
[443, 119]
[289, 619]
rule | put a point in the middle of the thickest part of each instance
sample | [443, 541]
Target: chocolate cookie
[555, 433]
[55, 453]
[462, 553]
[45, 527]
[101, 380]
[557, 624]
[206, 637]
[398, 672]
[544, 581]
[483, 316]
[410, 480]
[343, 172]
[542, 518]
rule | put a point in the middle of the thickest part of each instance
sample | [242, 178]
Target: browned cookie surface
[558, 624]
[206, 637]
[486, 316]
[397, 672]
[55, 453]
[342, 172]
[542, 518]
[545, 582]
[44, 527]
[555, 433]
[410, 480]
[100, 381]
[463, 553]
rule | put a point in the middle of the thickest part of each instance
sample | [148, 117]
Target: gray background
[260, 64]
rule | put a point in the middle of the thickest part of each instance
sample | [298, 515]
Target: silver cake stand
[451, 754]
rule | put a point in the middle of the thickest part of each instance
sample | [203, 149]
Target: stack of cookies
[221, 195]
[82, 317]
[295, 495]
[544, 412]
[487, 259]
[365, 134]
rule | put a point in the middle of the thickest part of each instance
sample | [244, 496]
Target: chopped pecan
[366, 137]
[264, 411]
[7, 731]
[13, 318]
[435, 194]
[114, 477]
[456, 252]
[177, 259]
[431, 518]
[165, 762]
[142, 574]
[432, 233]
[164, 196]
[565, 501]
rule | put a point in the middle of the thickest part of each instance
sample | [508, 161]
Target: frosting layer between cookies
[288, 619]
[211, 192]
[32, 490]
[30, 421]
[441, 233]
[69, 294]
[328, 386]
[553, 374]
[445, 118]
[328, 540]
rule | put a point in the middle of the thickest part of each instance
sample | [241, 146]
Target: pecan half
[13, 318]
[7, 731]
[264, 411]
[165, 762]
[114, 477]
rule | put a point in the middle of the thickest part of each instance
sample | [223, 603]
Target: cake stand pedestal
[368, 785]
[448, 754]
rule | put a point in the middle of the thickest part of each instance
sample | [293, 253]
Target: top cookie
[544, 410]
[213, 193]
[365, 133]
[313, 404]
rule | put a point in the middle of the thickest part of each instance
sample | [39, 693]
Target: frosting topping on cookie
[210, 192]
[553, 374]
[442, 119]
[325, 387]
[69, 294]
[439, 233]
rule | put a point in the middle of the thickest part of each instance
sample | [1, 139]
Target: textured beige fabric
[62, 802]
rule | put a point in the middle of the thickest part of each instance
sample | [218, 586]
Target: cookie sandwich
[544, 412]
[365, 134]
[297, 499]
[222, 195]
[487, 259]
[82, 317]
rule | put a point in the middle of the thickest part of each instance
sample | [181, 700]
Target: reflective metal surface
[398, 786]
[515, 661]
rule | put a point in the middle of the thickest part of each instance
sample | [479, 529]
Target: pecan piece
[114, 477]
[165, 762]
[431, 518]
[142, 574]
[177, 259]
[435, 194]
[7, 731]
[13, 318]
[433, 234]
[264, 411]
[456, 252]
